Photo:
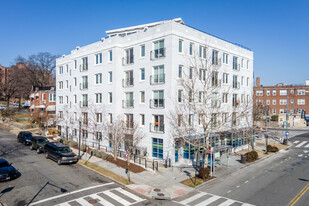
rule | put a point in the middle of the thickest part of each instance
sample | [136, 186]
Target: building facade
[282, 99]
[43, 104]
[135, 74]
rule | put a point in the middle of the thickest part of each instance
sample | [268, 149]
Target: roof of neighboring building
[43, 88]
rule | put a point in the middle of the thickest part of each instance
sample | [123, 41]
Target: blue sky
[276, 30]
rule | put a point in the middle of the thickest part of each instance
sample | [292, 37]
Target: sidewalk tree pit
[251, 156]
[271, 148]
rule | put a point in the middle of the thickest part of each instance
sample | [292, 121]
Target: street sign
[286, 133]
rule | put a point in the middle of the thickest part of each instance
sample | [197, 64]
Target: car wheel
[46, 155]
[38, 150]
[59, 162]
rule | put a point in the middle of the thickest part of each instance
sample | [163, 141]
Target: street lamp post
[287, 117]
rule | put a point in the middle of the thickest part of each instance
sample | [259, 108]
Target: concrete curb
[243, 167]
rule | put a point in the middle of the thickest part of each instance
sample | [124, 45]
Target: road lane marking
[296, 142]
[307, 145]
[247, 181]
[227, 202]
[238, 186]
[208, 201]
[70, 193]
[301, 144]
[229, 191]
[300, 155]
[301, 193]
[195, 197]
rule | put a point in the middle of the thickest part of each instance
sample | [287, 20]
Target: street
[43, 182]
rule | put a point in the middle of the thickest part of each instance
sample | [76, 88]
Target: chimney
[258, 82]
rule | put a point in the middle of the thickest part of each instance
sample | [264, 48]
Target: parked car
[7, 171]
[24, 137]
[59, 152]
[15, 104]
[2, 107]
[26, 104]
[38, 143]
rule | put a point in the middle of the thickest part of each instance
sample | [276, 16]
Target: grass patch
[105, 172]
[190, 182]
[21, 116]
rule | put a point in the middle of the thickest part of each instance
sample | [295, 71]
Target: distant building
[43, 102]
[281, 99]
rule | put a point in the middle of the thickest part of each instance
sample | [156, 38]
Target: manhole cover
[157, 190]
[160, 194]
[92, 201]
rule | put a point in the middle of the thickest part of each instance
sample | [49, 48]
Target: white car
[2, 107]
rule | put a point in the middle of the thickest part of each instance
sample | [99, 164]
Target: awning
[32, 107]
[32, 95]
[40, 106]
[51, 108]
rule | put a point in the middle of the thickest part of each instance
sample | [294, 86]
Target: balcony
[157, 103]
[236, 67]
[157, 54]
[216, 61]
[236, 103]
[215, 103]
[128, 104]
[83, 86]
[157, 79]
[83, 67]
[128, 82]
[156, 128]
[128, 61]
[83, 104]
[216, 83]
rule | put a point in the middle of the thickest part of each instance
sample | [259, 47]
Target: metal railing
[216, 83]
[83, 67]
[128, 103]
[157, 53]
[157, 128]
[83, 86]
[215, 103]
[128, 82]
[216, 61]
[128, 61]
[157, 103]
[157, 79]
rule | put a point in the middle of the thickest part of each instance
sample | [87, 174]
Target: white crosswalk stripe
[125, 199]
[296, 142]
[307, 145]
[301, 144]
[199, 200]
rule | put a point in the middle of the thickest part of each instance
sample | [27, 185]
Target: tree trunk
[115, 152]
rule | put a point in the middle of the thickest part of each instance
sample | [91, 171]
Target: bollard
[165, 164]
[169, 162]
[140, 160]
[145, 163]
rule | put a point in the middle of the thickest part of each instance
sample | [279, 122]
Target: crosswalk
[299, 144]
[113, 197]
[204, 199]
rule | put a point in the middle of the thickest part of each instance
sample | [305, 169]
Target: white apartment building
[135, 73]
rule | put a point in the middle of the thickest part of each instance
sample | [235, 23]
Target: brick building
[43, 103]
[282, 98]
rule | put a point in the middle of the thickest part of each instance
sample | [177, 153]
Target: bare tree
[8, 84]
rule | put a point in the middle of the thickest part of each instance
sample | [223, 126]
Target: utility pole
[287, 117]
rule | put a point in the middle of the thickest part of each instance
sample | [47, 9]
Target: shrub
[271, 148]
[251, 156]
[274, 118]
[203, 173]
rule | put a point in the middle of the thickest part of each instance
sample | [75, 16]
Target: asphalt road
[36, 171]
[282, 179]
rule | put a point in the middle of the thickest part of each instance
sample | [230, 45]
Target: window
[129, 120]
[75, 98]
[84, 100]
[190, 72]
[60, 114]
[283, 92]
[128, 78]
[248, 98]
[292, 91]
[52, 97]
[75, 64]
[110, 55]
[142, 120]
[234, 120]
[225, 58]
[214, 120]
[268, 102]
[201, 97]
[142, 50]
[259, 93]
[142, 72]
[274, 102]
[84, 82]
[215, 59]
[225, 97]
[242, 63]
[158, 99]
[129, 56]
[190, 119]
[98, 78]
[110, 117]
[60, 85]
[268, 92]
[283, 101]
[98, 58]
[234, 100]
[202, 74]
[179, 120]
[247, 64]
[158, 75]
[179, 96]
[85, 118]
[75, 116]
[225, 78]
[202, 52]
[301, 92]
[98, 98]
[61, 70]
[274, 92]
[191, 49]
[224, 117]
[242, 99]
[242, 81]
[159, 50]
[180, 68]
[235, 65]
[110, 77]
[157, 148]
[129, 102]
[274, 111]
[142, 97]
[67, 83]
[98, 135]
[67, 99]
[214, 79]
[247, 81]
[84, 64]
[99, 117]
[180, 44]
[235, 82]
[60, 100]
[75, 81]
[110, 97]
[301, 101]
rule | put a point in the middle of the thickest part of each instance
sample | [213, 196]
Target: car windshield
[28, 135]
[4, 164]
[65, 149]
[41, 140]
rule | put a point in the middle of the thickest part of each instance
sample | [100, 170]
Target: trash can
[243, 158]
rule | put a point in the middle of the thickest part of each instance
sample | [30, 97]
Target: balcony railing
[157, 53]
[236, 85]
[216, 83]
[128, 103]
[128, 61]
[236, 67]
[157, 128]
[215, 103]
[216, 61]
[128, 82]
[157, 79]
[157, 103]
[83, 86]
[83, 67]
[83, 104]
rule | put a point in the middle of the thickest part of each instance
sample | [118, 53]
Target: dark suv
[38, 143]
[24, 137]
[59, 152]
